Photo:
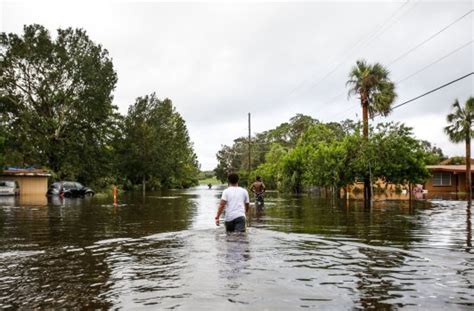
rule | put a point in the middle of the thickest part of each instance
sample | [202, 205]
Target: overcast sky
[218, 62]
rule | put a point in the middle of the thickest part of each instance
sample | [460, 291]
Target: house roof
[450, 160]
[25, 172]
[449, 168]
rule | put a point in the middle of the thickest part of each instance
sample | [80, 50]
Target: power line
[429, 92]
[372, 35]
[379, 31]
[436, 61]
[412, 74]
[422, 95]
[429, 38]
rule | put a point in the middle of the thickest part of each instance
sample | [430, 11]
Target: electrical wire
[379, 31]
[435, 62]
[416, 72]
[429, 92]
[372, 35]
[430, 38]
[403, 55]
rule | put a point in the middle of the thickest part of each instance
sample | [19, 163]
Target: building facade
[447, 178]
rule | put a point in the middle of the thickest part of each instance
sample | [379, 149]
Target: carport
[31, 181]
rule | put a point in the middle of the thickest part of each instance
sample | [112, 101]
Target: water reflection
[6, 201]
[164, 251]
[468, 227]
[235, 259]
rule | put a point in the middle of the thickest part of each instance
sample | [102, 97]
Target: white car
[9, 187]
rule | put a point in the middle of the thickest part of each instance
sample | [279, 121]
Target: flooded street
[164, 251]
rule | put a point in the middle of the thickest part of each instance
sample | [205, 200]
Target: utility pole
[250, 139]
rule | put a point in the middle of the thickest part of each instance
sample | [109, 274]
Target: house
[31, 181]
[447, 178]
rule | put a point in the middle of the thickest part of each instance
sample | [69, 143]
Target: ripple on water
[364, 264]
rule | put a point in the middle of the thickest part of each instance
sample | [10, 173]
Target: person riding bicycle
[258, 188]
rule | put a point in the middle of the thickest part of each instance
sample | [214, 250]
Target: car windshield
[69, 185]
[78, 185]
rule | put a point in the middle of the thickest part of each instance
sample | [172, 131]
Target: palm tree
[377, 94]
[460, 129]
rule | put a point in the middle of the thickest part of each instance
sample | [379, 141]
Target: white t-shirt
[236, 197]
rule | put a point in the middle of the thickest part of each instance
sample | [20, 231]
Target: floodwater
[164, 252]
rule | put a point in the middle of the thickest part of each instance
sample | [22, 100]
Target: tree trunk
[365, 120]
[143, 184]
[410, 191]
[468, 168]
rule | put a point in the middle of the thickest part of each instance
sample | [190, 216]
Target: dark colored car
[69, 189]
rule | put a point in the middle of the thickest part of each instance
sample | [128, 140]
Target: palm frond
[372, 81]
[460, 121]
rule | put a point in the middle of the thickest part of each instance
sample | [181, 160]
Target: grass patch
[213, 181]
[103, 195]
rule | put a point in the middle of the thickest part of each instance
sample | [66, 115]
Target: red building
[447, 178]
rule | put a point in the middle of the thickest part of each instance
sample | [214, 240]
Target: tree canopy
[57, 100]
[155, 146]
[56, 112]
[329, 155]
[460, 121]
[377, 94]
[372, 84]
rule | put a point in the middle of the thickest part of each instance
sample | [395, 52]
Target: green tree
[56, 97]
[434, 155]
[2, 139]
[288, 134]
[235, 158]
[460, 129]
[2, 150]
[156, 149]
[332, 158]
[377, 94]
[293, 170]
[456, 160]
[231, 159]
[396, 156]
[272, 169]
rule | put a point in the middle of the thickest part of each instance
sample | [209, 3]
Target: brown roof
[448, 168]
[25, 172]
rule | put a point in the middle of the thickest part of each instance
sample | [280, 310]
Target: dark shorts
[236, 225]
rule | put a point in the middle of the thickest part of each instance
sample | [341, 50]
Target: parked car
[9, 187]
[69, 189]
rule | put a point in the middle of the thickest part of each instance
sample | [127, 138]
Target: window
[442, 179]
[68, 185]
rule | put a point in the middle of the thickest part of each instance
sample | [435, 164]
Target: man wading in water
[236, 202]
[258, 188]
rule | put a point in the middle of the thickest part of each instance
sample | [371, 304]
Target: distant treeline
[57, 112]
[305, 153]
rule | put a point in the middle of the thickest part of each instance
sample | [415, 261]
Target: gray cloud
[217, 62]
